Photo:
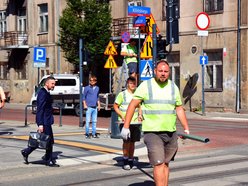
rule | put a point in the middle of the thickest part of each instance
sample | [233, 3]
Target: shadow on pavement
[145, 183]
[139, 165]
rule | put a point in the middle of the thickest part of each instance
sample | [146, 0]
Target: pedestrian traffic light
[161, 48]
[172, 16]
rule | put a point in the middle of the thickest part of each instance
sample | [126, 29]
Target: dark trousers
[49, 152]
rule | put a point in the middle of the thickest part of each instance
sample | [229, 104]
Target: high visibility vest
[159, 112]
[130, 50]
[124, 105]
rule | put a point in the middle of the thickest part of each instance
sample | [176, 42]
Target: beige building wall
[22, 88]
[222, 33]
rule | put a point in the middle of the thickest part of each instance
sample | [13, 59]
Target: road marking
[72, 144]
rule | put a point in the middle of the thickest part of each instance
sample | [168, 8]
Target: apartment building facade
[225, 75]
[25, 24]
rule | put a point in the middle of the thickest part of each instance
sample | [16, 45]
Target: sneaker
[95, 136]
[25, 156]
[87, 136]
[131, 164]
[126, 166]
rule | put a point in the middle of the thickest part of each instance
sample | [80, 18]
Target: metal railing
[13, 38]
[121, 25]
[60, 106]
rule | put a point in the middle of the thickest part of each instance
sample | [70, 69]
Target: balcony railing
[15, 39]
[123, 25]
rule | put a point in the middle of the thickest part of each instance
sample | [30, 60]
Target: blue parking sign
[39, 57]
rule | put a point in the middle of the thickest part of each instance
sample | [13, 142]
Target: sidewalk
[190, 115]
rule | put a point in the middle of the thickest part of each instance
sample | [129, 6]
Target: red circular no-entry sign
[202, 21]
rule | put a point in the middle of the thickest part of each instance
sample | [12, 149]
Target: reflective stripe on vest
[125, 103]
[151, 100]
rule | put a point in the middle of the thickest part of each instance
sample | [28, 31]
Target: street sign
[125, 37]
[110, 63]
[110, 49]
[39, 57]
[146, 69]
[203, 60]
[148, 28]
[202, 21]
[139, 11]
[146, 51]
[139, 21]
[202, 33]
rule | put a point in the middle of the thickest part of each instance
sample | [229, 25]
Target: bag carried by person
[39, 140]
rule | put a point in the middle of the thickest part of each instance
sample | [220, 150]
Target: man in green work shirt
[130, 57]
[161, 105]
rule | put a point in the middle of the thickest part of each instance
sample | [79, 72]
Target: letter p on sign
[39, 54]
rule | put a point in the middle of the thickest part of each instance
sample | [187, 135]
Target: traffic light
[172, 16]
[161, 48]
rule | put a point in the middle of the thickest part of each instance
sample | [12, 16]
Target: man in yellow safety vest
[161, 105]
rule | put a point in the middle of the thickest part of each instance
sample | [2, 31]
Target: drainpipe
[58, 47]
[238, 62]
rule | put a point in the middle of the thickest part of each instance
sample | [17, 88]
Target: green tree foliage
[90, 20]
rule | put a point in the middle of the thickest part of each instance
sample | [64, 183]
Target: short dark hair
[161, 61]
[131, 78]
[50, 78]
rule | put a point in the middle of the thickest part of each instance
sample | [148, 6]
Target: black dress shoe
[52, 164]
[25, 156]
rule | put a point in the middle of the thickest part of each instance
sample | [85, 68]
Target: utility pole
[81, 46]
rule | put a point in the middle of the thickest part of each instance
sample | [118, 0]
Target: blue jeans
[91, 114]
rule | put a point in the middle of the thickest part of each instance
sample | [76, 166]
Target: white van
[66, 91]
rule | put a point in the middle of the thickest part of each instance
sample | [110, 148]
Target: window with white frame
[213, 78]
[3, 23]
[135, 3]
[22, 20]
[213, 6]
[43, 14]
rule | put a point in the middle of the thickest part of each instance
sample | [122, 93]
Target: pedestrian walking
[44, 120]
[2, 98]
[120, 106]
[91, 105]
[161, 105]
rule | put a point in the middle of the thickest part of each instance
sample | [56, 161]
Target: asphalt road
[222, 161]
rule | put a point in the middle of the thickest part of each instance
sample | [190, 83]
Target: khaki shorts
[162, 146]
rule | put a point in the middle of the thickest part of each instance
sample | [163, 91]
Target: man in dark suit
[44, 120]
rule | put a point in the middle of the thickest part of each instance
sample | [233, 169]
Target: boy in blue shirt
[92, 105]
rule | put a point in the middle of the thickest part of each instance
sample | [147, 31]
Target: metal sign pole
[203, 83]
[38, 79]
[154, 45]
[139, 80]
[81, 81]
[110, 80]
